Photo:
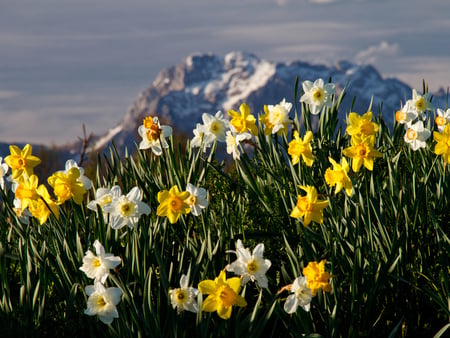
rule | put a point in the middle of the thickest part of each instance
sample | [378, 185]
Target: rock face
[208, 83]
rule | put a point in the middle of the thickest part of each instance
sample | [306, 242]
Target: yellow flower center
[411, 134]
[367, 128]
[300, 292]
[148, 122]
[191, 200]
[440, 121]
[421, 104]
[63, 191]
[304, 205]
[252, 266]
[215, 127]
[276, 116]
[361, 150]
[107, 199]
[317, 94]
[228, 296]
[17, 162]
[96, 263]
[24, 193]
[154, 132]
[126, 208]
[176, 203]
[400, 116]
[101, 301]
[180, 296]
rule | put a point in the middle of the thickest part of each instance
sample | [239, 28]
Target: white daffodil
[317, 95]
[406, 115]
[421, 103]
[104, 197]
[301, 295]
[416, 135]
[3, 170]
[126, 210]
[87, 183]
[197, 200]
[102, 302]
[97, 265]
[202, 138]
[184, 298]
[215, 126]
[442, 118]
[277, 116]
[234, 140]
[250, 266]
[154, 135]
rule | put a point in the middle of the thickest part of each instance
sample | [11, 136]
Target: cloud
[373, 54]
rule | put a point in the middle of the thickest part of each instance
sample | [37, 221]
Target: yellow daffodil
[442, 146]
[243, 121]
[316, 277]
[338, 176]
[172, 204]
[21, 161]
[43, 206]
[309, 207]
[67, 185]
[361, 125]
[223, 294]
[301, 148]
[26, 190]
[362, 152]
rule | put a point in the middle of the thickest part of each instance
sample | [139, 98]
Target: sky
[65, 63]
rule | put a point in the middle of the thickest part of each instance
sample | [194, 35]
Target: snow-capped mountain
[208, 83]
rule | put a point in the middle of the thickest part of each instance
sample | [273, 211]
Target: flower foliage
[232, 231]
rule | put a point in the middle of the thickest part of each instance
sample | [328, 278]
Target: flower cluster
[102, 301]
[414, 113]
[32, 199]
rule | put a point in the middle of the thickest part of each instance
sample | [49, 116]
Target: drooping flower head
[317, 95]
[172, 204]
[338, 176]
[97, 265]
[243, 121]
[442, 118]
[223, 294]
[21, 161]
[300, 296]
[67, 185]
[197, 199]
[361, 152]
[184, 297]
[416, 135]
[276, 118]
[154, 135]
[361, 125]
[234, 140]
[442, 146]
[309, 206]
[102, 302]
[127, 209]
[44, 206]
[250, 266]
[299, 148]
[316, 277]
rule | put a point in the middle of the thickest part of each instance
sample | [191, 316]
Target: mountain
[208, 83]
